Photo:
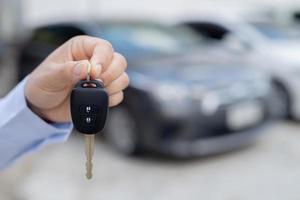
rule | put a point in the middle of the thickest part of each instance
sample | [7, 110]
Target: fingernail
[77, 69]
[98, 68]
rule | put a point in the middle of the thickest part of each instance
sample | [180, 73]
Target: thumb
[73, 71]
[68, 73]
[56, 77]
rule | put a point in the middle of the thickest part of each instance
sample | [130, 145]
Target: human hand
[48, 87]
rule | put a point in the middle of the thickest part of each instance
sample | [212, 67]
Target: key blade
[89, 151]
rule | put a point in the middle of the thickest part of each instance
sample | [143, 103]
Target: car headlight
[174, 98]
[210, 103]
[208, 100]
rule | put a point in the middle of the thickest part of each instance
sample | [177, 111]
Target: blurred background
[212, 111]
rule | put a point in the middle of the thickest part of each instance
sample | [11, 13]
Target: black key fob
[89, 106]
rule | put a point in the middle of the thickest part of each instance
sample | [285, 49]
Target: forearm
[22, 131]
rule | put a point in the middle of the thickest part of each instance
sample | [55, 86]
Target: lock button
[88, 120]
[89, 109]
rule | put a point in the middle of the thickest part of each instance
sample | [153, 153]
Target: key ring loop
[88, 74]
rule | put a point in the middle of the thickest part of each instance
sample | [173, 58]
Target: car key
[89, 108]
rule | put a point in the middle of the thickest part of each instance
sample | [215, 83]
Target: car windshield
[149, 38]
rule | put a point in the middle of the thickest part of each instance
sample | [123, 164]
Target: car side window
[55, 35]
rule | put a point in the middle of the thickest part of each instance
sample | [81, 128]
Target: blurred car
[2, 51]
[8, 66]
[264, 46]
[181, 101]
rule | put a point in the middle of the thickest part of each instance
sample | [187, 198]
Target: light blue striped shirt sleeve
[22, 131]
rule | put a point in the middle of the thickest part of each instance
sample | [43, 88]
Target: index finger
[98, 51]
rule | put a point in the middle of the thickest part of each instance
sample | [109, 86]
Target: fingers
[98, 51]
[102, 55]
[115, 79]
[56, 77]
[114, 70]
[118, 85]
[115, 99]
[70, 72]
[73, 71]
[79, 70]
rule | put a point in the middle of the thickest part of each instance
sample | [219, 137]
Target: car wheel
[122, 131]
[280, 102]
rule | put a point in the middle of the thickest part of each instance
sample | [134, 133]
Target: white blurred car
[280, 56]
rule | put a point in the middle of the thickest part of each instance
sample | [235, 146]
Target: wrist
[38, 112]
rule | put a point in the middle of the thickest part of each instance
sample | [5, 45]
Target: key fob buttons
[89, 106]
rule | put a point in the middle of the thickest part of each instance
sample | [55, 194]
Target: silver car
[279, 56]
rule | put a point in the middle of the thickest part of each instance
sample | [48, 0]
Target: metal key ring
[88, 74]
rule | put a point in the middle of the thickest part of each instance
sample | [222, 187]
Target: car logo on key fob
[89, 108]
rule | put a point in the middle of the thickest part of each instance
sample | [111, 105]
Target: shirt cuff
[14, 105]
[21, 130]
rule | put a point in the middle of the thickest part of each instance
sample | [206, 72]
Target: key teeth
[89, 176]
[89, 150]
[89, 167]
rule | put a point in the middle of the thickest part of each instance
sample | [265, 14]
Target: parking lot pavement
[268, 170]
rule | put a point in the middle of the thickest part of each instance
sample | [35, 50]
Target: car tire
[280, 102]
[121, 131]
